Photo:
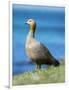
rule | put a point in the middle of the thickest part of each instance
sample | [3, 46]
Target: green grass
[43, 76]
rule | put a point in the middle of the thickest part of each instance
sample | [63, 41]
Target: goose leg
[38, 66]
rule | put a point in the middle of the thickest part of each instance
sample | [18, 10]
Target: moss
[43, 76]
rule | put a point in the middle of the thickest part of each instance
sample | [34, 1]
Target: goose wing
[40, 54]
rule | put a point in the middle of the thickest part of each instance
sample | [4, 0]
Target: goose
[36, 51]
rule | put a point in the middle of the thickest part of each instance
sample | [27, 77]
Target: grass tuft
[43, 76]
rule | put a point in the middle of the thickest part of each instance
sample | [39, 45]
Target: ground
[43, 76]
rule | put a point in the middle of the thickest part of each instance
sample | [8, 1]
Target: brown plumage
[36, 51]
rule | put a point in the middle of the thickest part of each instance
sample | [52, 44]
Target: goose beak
[27, 22]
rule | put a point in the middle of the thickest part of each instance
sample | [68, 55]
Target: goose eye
[30, 21]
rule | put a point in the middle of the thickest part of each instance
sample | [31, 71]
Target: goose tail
[57, 63]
